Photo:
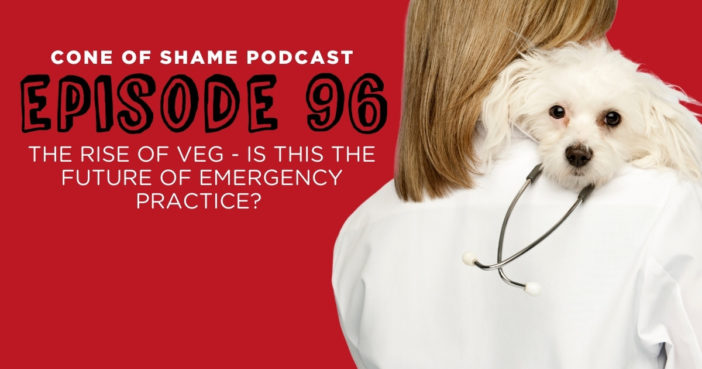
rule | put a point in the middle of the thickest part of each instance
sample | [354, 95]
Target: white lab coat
[621, 278]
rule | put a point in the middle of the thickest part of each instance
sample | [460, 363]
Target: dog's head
[591, 111]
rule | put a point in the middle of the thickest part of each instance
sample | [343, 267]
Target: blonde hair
[454, 50]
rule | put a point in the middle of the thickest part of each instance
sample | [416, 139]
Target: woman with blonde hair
[613, 296]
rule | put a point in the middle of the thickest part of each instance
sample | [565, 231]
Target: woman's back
[616, 283]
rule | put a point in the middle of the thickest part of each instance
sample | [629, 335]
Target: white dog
[591, 110]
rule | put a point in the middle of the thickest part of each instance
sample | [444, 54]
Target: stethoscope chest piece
[531, 288]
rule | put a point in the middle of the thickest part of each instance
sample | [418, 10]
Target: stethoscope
[531, 288]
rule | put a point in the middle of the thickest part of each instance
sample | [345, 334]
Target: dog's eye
[557, 111]
[612, 118]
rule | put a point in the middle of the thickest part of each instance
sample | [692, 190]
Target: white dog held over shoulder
[591, 111]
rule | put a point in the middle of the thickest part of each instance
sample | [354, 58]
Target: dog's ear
[495, 119]
[674, 130]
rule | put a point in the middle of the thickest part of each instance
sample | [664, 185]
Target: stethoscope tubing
[533, 175]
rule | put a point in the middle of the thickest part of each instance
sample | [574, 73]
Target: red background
[86, 280]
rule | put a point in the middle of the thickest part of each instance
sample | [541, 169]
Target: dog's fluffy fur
[589, 81]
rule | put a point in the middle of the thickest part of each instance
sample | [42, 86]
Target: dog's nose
[578, 155]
